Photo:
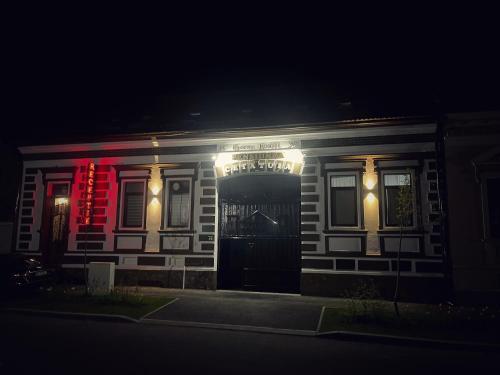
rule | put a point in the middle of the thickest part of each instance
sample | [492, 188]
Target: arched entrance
[259, 217]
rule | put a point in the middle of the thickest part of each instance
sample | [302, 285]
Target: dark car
[19, 272]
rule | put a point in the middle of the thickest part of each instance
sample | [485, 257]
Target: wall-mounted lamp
[370, 198]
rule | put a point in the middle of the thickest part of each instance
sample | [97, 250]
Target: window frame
[359, 208]
[166, 204]
[383, 201]
[122, 209]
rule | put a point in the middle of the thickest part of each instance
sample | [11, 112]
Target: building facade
[308, 209]
[472, 144]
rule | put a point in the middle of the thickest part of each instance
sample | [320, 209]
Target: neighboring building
[472, 144]
[301, 208]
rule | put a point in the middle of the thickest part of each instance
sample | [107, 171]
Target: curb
[67, 314]
[230, 327]
[335, 335]
[408, 341]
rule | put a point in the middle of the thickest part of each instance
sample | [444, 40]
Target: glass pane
[344, 210]
[60, 189]
[391, 206]
[397, 179]
[343, 181]
[179, 203]
[493, 185]
[133, 210]
[134, 187]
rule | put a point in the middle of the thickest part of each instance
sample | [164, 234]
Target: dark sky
[86, 72]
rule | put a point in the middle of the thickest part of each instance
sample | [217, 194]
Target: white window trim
[122, 206]
[329, 176]
[166, 202]
[414, 196]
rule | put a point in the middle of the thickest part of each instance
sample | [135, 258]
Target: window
[343, 201]
[392, 185]
[178, 205]
[133, 204]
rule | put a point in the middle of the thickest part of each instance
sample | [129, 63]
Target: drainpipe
[443, 206]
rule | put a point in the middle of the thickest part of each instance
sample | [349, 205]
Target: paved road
[42, 345]
[244, 310]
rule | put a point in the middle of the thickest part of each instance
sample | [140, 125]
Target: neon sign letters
[89, 194]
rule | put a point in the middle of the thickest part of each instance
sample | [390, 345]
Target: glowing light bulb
[370, 198]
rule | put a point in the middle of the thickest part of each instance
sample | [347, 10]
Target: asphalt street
[243, 310]
[43, 345]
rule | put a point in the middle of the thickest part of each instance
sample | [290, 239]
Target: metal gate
[259, 233]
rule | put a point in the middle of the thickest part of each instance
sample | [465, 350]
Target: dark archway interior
[260, 188]
[259, 233]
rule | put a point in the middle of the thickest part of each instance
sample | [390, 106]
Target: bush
[363, 304]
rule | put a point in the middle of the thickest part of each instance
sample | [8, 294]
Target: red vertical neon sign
[89, 193]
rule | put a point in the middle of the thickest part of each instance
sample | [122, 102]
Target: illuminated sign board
[285, 161]
[261, 146]
[89, 194]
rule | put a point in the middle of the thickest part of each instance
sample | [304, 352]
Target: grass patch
[481, 324]
[118, 302]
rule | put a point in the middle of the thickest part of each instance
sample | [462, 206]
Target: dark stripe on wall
[310, 218]
[207, 182]
[310, 198]
[308, 179]
[206, 237]
[207, 246]
[31, 171]
[150, 261]
[28, 195]
[310, 237]
[90, 228]
[199, 262]
[308, 247]
[24, 228]
[308, 227]
[207, 201]
[204, 149]
[90, 258]
[372, 265]
[29, 203]
[310, 160]
[207, 219]
[209, 173]
[95, 220]
[309, 170]
[25, 237]
[208, 210]
[207, 164]
[208, 228]
[29, 187]
[26, 211]
[308, 208]
[405, 265]
[308, 188]
[24, 245]
[345, 264]
[26, 220]
[90, 245]
[374, 140]
[322, 264]
[90, 237]
[29, 179]
[208, 191]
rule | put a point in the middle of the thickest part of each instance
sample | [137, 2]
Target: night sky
[81, 72]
